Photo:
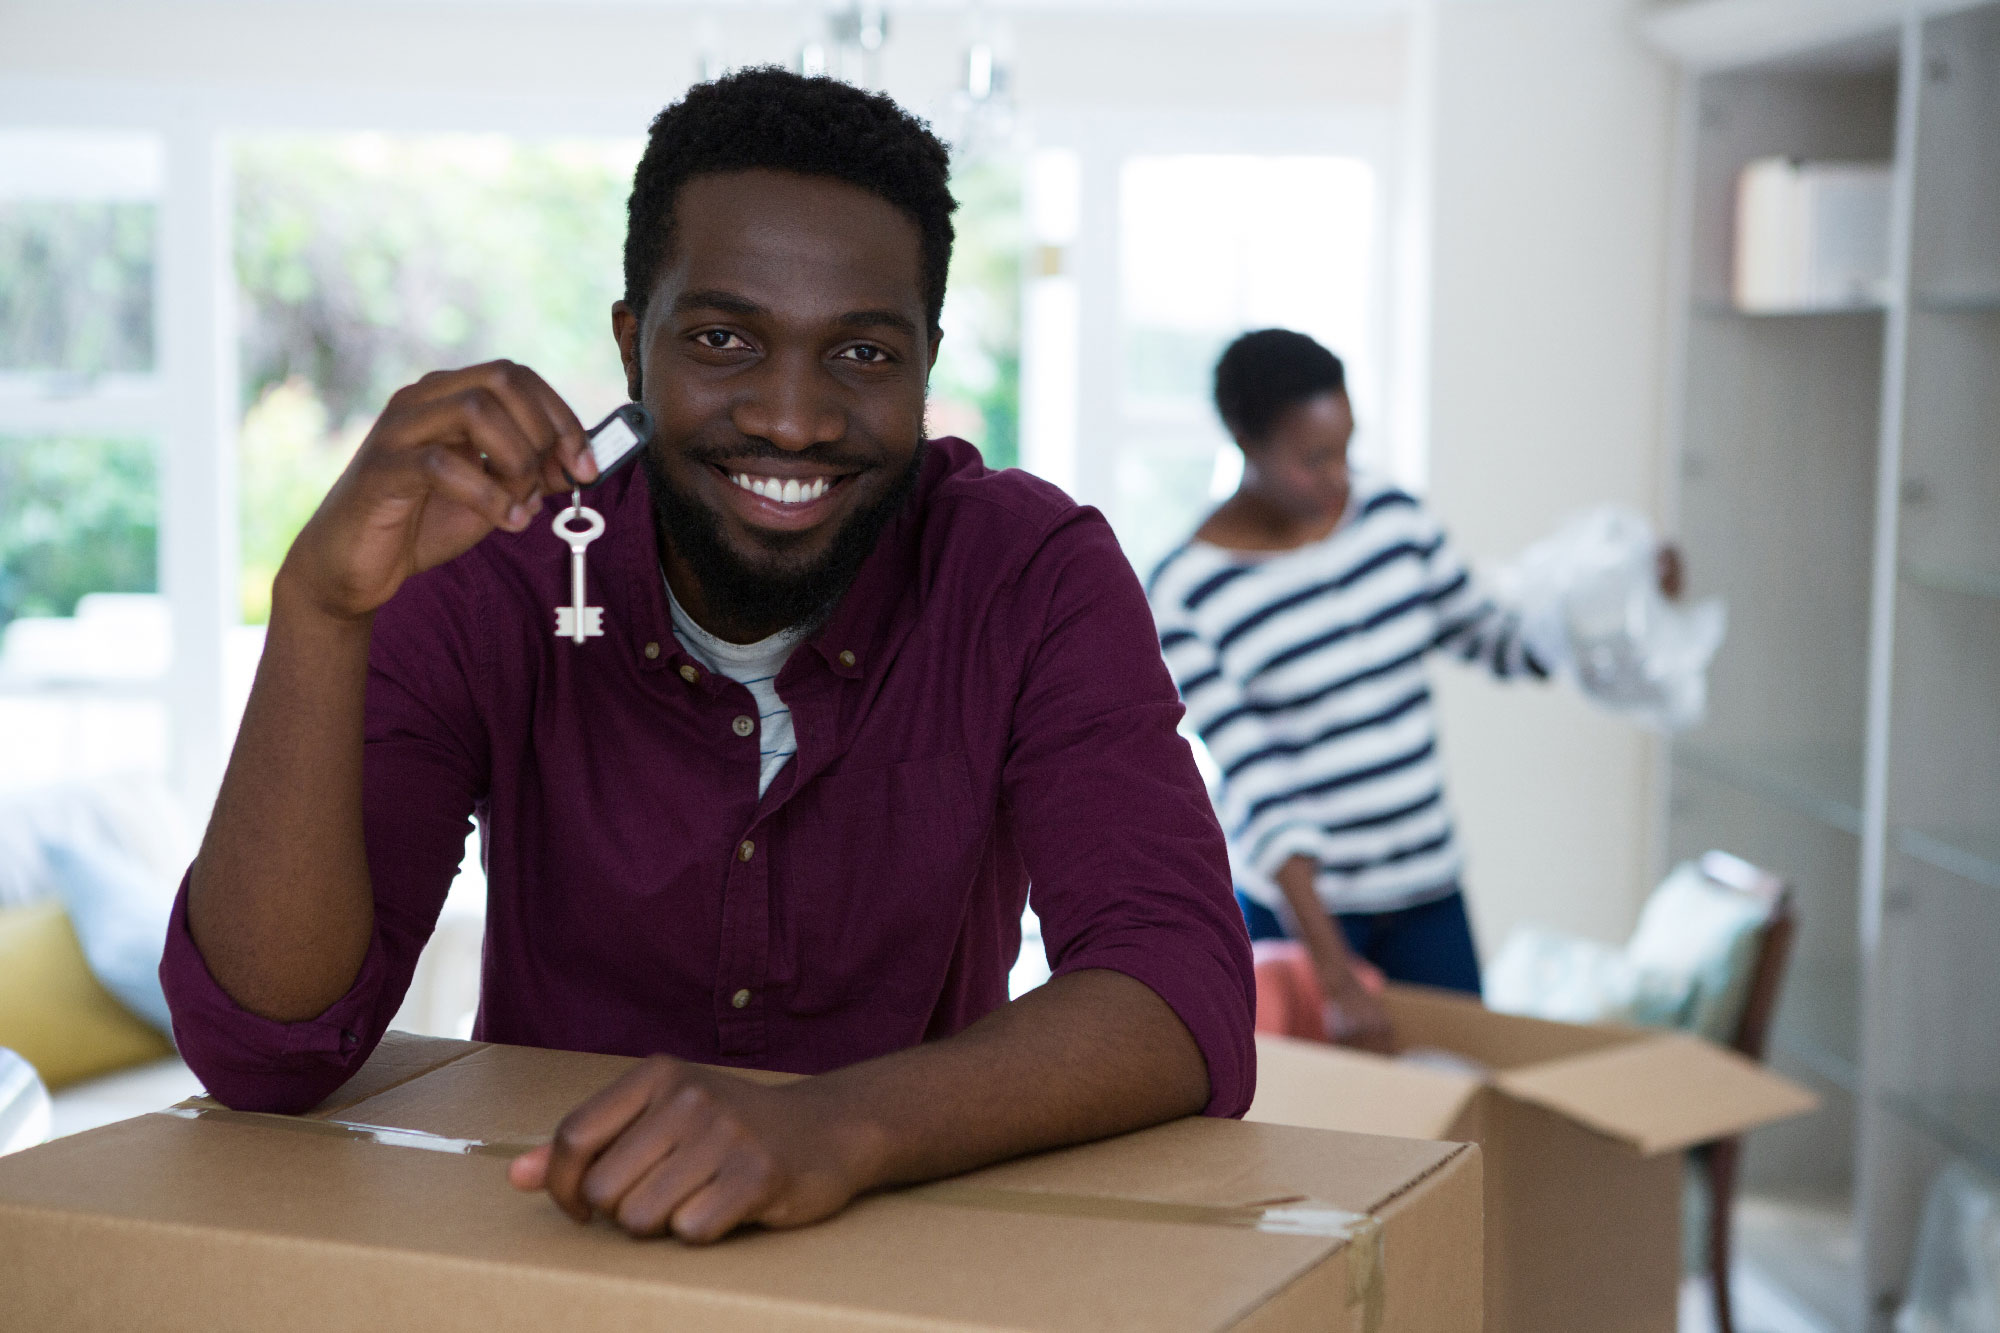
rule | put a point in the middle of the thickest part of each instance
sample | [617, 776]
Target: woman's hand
[1354, 1014]
[1350, 986]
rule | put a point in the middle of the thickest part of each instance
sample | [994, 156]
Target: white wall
[1551, 142]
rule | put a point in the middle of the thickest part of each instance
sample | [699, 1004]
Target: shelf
[70, 690]
[1964, 582]
[1818, 1020]
[1968, 1123]
[1822, 785]
[1958, 303]
[1714, 309]
[1828, 1065]
[1967, 850]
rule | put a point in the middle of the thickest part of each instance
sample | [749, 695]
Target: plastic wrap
[1687, 965]
[1592, 611]
[24, 1104]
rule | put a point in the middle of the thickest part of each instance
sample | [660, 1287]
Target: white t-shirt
[755, 666]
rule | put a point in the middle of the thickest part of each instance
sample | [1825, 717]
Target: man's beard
[757, 600]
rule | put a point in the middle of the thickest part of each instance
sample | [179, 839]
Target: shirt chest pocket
[878, 864]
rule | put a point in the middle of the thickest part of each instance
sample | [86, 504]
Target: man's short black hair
[772, 118]
[1265, 374]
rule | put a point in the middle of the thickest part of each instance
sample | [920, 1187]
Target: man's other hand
[677, 1147]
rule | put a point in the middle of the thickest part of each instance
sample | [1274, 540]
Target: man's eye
[867, 354]
[718, 340]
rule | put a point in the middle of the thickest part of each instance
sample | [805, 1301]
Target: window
[1151, 243]
[1210, 246]
[976, 385]
[85, 634]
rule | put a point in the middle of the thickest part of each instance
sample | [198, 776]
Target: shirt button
[738, 1000]
[652, 651]
[690, 675]
[745, 850]
[743, 726]
[847, 657]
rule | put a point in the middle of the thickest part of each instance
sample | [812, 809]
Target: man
[1296, 624]
[853, 693]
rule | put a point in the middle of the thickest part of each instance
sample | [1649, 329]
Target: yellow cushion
[53, 1012]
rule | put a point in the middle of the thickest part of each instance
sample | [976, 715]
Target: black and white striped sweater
[1303, 673]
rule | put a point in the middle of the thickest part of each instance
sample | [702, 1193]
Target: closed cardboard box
[1583, 1130]
[388, 1208]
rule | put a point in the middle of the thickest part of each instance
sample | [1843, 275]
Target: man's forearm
[278, 900]
[1090, 1054]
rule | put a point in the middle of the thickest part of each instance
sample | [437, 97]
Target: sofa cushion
[53, 1011]
[119, 910]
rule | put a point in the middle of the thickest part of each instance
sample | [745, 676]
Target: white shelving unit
[1839, 482]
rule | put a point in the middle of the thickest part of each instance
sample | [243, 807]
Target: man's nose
[793, 403]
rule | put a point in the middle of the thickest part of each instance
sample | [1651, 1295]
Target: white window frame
[1083, 454]
[191, 404]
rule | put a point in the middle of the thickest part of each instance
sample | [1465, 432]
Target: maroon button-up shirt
[985, 709]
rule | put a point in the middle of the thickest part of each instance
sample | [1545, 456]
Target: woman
[1296, 624]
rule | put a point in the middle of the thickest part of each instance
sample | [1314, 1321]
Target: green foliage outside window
[976, 385]
[76, 286]
[77, 515]
[365, 262]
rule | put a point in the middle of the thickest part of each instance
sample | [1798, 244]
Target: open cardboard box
[1583, 1129]
[204, 1218]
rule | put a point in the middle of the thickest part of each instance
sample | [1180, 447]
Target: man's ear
[930, 363]
[625, 328]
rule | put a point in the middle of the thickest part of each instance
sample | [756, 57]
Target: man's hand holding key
[284, 925]
[452, 457]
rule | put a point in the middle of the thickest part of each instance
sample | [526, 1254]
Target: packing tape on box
[386, 1135]
[1282, 1217]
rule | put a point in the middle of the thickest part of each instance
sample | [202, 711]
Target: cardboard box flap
[399, 1058]
[1375, 1096]
[1661, 1093]
[1448, 1020]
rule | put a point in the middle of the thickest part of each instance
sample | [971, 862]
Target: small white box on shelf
[1811, 236]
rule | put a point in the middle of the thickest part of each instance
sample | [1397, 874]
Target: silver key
[577, 622]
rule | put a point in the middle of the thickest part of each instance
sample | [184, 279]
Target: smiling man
[854, 694]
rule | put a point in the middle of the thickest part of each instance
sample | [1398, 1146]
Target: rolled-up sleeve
[1127, 864]
[423, 769]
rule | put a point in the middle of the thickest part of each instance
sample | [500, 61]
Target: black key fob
[617, 439]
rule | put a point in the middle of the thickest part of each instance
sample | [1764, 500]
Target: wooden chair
[1719, 1160]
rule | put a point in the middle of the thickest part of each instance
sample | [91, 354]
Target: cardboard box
[203, 1218]
[1583, 1130]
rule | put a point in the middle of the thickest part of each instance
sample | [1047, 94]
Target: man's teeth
[789, 492]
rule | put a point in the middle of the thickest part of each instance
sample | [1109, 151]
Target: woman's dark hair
[1263, 375]
[774, 119]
